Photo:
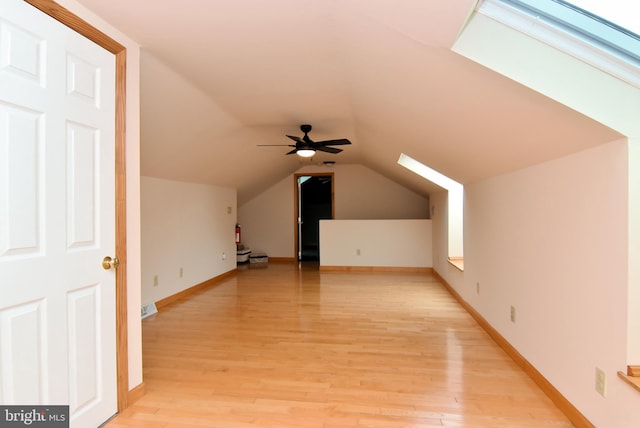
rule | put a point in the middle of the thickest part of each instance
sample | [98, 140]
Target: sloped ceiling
[219, 77]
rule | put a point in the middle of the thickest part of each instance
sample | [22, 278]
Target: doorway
[313, 202]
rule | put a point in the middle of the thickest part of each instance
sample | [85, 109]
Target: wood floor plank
[288, 347]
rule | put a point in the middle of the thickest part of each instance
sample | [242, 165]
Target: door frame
[85, 29]
[296, 205]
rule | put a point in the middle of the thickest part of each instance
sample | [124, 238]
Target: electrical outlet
[224, 256]
[357, 251]
[513, 314]
[181, 272]
[601, 382]
[155, 280]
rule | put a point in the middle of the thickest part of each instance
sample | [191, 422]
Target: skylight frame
[586, 24]
[573, 30]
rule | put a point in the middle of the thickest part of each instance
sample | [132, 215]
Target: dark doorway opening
[314, 203]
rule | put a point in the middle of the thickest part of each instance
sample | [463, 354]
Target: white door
[57, 217]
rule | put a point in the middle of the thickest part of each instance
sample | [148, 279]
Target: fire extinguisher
[238, 233]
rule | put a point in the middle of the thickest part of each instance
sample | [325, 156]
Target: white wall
[360, 193]
[551, 240]
[134, 327]
[376, 243]
[267, 220]
[188, 226]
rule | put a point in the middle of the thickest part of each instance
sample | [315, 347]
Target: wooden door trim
[82, 27]
[296, 200]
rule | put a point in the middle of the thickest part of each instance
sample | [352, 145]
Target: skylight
[430, 174]
[623, 13]
[454, 200]
[577, 31]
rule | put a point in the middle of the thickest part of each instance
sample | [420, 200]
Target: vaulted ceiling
[219, 77]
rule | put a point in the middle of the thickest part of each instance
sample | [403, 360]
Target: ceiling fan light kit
[305, 147]
[305, 153]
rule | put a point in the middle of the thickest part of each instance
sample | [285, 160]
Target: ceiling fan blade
[296, 139]
[327, 149]
[340, 142]
[292, 151]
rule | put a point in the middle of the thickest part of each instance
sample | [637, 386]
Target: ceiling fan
[306, 147]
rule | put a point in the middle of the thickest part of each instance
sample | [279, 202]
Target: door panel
[22, 53]
[57, 157]
[21, 183]
[23, 353]
[85, 360]
[82, 198]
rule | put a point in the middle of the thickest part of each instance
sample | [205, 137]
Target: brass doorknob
[108, 263]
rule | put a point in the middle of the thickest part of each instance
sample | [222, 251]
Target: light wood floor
[282, 347]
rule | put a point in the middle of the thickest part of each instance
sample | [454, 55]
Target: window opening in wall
[455, 204]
